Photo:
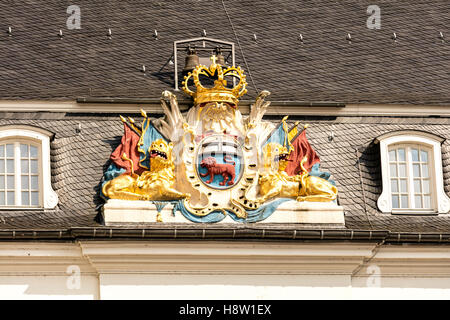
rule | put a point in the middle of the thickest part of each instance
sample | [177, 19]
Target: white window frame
[440, 201]
[41, 138]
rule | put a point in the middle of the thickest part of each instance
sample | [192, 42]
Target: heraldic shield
[220, 161]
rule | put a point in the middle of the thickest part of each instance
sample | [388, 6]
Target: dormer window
[411, 164]
[409, 173]
[25, 168]
[20, 176]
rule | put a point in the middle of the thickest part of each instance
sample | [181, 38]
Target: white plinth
[307, 212]
[126, 212]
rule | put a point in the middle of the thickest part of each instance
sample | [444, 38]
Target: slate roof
[37, 64]
[80, 158]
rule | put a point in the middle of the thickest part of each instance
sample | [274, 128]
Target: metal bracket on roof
[200, 44]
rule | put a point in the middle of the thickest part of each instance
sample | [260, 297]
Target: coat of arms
[213, 162]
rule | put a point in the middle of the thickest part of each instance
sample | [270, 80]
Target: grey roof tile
[79, 160]
[36, 64]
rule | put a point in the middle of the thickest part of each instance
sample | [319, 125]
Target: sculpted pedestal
[123, 212]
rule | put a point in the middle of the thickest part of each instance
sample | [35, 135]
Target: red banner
[128, 146]
[302, 148]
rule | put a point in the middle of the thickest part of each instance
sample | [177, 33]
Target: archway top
[407, 134]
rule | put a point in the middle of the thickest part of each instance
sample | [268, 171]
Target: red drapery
[128, 146]
[301, 148]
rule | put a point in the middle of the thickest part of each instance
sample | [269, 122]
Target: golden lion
[302, 187]
[156, 184]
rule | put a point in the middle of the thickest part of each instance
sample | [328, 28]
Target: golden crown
[219, 92]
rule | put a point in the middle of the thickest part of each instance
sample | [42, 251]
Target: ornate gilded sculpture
[218, 163]
[315, 189]
[302, 187]
[155, 184]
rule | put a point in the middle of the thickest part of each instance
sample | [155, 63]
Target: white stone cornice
[31, 258]
[411, 260]
[274, 109]
[221, 258]
[225, 258]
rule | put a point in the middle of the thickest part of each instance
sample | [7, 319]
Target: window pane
[418, 202]
[10, 197]
[2, 198]
[24, 182]
[394, 186]
[33, 152]
[416, 170]
[427, 202]
[423, 156]
[34, 183]
[409, 170]
[392, 156]
[2, 166]
[34, 198]
[10, 150]
[404, 200]
[24, 166]
[426, 186]
[10, 166]
[415, 154]
[403, 186]
[402, 170]
[395, 203]
[2, 182]
[393, 168]
[24, 150]
[10, 182]
[401, 155]
[417, 187]
[34, 166]
[425, 170]
[25, 198]
[2, 150]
